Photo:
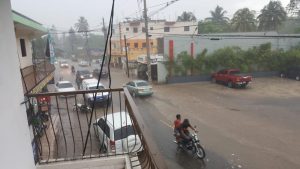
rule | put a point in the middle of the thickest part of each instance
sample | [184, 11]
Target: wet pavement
[253, 128]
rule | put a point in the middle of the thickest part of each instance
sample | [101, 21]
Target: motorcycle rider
[184, 132]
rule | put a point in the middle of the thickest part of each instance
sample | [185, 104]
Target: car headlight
[81, 77]
[91, 75]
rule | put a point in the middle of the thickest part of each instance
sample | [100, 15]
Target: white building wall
[183, 43]
[158, 29]
[15, 144]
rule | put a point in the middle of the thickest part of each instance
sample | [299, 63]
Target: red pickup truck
[231, 77]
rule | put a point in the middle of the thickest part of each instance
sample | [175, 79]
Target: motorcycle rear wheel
[199, 151]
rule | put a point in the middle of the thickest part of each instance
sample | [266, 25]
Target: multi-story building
[136, 41]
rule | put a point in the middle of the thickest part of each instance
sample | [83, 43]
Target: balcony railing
[72, 133]
[35, 74]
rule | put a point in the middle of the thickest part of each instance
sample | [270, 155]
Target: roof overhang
[27, 25]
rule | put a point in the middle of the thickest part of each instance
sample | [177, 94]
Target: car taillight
[112, 145]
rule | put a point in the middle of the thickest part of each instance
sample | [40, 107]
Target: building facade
[136, 40]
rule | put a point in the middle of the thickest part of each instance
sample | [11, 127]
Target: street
[256, 127]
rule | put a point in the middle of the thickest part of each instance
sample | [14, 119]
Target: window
[104, 127]
[136, 45]
[151, 43]
[23, 47]
[166, 29]
[127, 29]
[186, 28]
[144, 45]
[128, 44]
[151, 28]
[143, 29]
[135, 30]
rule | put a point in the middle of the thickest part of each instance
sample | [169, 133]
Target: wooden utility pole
[147, 42]
[127, 68]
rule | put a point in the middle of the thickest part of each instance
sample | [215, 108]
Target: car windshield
[95, 87]
[64, 85]
[124, 132]
[140, 84]
[63, 62]
[84, 72]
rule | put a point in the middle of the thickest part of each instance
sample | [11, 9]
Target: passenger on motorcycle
[184, 132]
[177, 124]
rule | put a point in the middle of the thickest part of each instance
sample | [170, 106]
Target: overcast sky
[64, 13]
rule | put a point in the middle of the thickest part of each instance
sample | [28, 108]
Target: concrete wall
[15, 144]
[183, 43]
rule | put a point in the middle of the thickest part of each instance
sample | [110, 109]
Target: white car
[64, 64]
[64, 86]
[117, 134]
[90, 84]
[83, 63]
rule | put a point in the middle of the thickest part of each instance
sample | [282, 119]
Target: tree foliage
[272, 16]
[244, 20]
[82, 24]
[218, 16]
[186, 16]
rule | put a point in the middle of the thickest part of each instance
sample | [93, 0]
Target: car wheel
[229, 84]
[297, 78]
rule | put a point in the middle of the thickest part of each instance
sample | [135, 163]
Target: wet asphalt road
[253, 128]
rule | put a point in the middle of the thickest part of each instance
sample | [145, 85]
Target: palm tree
[218, 16]
[82, 25]
[244, 20]
[271, 17]
[186, 16]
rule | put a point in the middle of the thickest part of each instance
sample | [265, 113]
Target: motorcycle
[81, 108]
[193, 146]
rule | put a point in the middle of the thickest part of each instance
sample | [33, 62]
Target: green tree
[212, 27]
[186, 16]
[218, 16]
[244, 20]
[272, 16]
[82, 24]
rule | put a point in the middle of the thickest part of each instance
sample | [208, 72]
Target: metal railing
[109, 126]
[32, 75]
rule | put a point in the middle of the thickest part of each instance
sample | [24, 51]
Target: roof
[64, 81]
[24, 20]
[115, 119]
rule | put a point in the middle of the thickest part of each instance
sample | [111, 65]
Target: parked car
[292, 72]
[101, 97]
[96, 72]
[139, 88]
[64, 64]
[64, 86]
[117, 134]
[231, 77]
[83, 74]
[83, 63]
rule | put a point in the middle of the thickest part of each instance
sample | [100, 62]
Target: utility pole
[127, 69]
[147, 42]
